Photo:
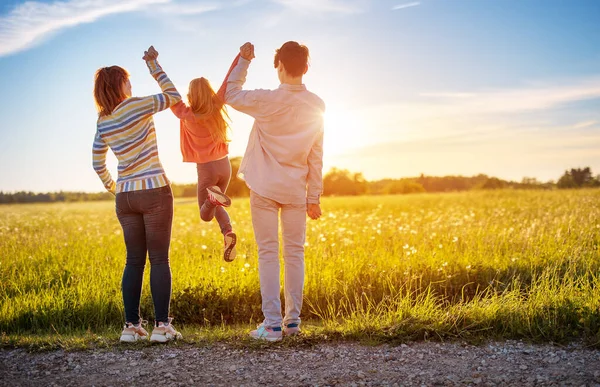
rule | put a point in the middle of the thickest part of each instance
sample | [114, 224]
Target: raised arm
[170, 96]
[99, 162]
[182, 111]
[245, 101]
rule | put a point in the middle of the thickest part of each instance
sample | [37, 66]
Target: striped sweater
[129, 132]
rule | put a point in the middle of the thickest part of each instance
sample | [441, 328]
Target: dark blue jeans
[146, 217]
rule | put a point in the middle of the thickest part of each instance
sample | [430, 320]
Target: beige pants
[265, 220]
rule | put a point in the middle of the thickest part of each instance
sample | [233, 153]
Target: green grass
[476, 265]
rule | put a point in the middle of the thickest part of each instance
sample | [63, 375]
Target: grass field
[504, 264]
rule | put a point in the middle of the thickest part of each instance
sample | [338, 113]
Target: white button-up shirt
[284, 156]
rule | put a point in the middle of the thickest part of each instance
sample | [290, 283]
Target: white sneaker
[165, 332]
[132, 333]
[217, 197]
[268, 334]
[230, 241]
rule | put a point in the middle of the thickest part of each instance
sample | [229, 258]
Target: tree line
[341, 182]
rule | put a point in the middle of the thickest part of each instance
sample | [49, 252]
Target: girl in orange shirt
[204, 141]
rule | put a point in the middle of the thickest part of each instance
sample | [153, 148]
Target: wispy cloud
[322, 6]
[407, 5]
[517, 99]
[586, 124]
[31, 22]
[183, 9]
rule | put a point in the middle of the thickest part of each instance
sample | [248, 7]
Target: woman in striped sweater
[144, 202]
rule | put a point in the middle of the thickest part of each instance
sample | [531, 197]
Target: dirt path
[347, 364]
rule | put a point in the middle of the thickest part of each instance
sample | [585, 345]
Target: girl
[203, 130]
[144, 202]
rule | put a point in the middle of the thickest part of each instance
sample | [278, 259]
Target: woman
[144, 202]
[203, 128]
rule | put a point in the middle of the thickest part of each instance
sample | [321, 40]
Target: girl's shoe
[291, 329]
[230, 242]
[165, 332]
[217, 197]
[268, 334]
[132, 333]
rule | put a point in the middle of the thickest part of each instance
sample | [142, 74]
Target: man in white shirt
[282, 167]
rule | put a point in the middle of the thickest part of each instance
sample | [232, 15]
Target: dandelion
[222, 269]
[323, 239]
[204, 247]
[333, 245]
[305, 244]
[406, 246]
[444, 264]
[455, 239]
[407, 253]
[246, 265]
[413, 232]
[440, 246]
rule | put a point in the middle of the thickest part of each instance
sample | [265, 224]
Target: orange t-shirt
[197, 145]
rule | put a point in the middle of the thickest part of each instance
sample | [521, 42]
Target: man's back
[286, 140]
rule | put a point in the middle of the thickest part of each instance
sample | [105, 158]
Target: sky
[509, 88]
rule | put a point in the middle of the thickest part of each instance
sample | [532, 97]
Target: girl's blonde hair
[207, 106]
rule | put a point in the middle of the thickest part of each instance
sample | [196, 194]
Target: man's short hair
[294, 58]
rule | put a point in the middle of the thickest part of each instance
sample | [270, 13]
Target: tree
[566, 181]
[582, 177]
[494, 183]
[343, 182]
[404, 186]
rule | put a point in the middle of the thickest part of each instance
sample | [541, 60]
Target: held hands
[313, 211]
[151, 54]
[247, 51]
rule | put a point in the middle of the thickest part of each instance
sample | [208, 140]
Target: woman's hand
[150, 54]
[247, 51]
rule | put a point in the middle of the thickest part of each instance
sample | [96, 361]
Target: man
[282, 167]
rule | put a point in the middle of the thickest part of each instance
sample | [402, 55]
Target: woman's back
[129, 132]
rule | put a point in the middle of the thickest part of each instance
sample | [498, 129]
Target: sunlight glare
[344, 131]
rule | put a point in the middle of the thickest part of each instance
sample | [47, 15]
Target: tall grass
[517, 264]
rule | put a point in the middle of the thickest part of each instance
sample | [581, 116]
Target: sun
[344, 131]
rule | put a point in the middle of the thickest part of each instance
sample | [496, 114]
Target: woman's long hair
[207, 105]
[108, 89]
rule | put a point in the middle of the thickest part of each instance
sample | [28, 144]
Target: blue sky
[509, 88]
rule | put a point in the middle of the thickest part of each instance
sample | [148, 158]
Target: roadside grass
[459, 266]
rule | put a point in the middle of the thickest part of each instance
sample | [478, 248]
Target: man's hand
[150, 54]
[247, 51]
[313, 210]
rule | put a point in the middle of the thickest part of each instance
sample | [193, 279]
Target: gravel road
[344, 364]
